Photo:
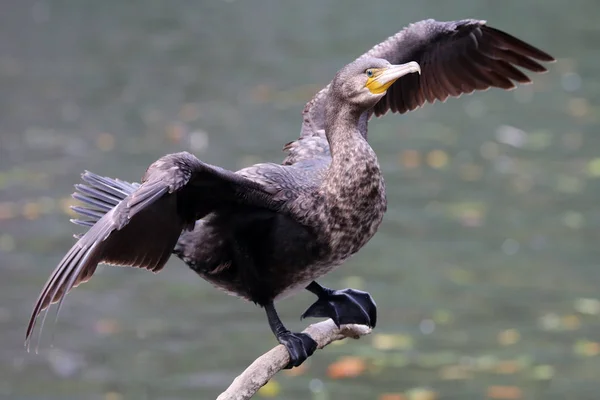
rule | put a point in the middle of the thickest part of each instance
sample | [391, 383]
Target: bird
[270, 230]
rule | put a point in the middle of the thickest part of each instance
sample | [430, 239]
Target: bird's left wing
[456, 57]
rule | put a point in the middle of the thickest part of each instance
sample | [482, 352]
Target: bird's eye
[369, 73]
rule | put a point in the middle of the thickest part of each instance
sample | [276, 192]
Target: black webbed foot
[299, 345]
[346, 306]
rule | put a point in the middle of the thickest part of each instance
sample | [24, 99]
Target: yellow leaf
[422, 394]
[587, 348]
[442, 317]
[384, 341]
[437, 159]
[65, 205]
[508, 337]
[543, 372]
[594, 167]
[392, 396]
[270, 389]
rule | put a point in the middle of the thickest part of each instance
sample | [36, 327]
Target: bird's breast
[352, 209]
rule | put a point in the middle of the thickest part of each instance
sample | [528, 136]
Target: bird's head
[365, 81]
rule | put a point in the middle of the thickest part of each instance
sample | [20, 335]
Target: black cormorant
[269, 230]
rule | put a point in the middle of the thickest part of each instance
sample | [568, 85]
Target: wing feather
[143, 222]
[456, 57]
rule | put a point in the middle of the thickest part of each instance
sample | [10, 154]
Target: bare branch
[273, 361]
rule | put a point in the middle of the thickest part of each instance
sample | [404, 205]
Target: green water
[485, 270]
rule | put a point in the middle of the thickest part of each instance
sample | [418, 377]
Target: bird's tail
[99, 195]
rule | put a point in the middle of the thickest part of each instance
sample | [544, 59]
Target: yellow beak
[383, 78]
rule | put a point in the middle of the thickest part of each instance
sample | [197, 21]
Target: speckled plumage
[269, 229]
[331, 206]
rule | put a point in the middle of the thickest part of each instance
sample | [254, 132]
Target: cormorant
[269, 230]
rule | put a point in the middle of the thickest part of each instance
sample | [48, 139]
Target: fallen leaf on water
[508, 367]
[550, 322]
[392, 396]
[65, 206]
[31, 210]
[471, 218]
[571, 322]
[539, 140]
[594, 168]
[113, 396]
[508, 337]
[455, 372]
[175, 132]
[346, 367]
[573, 219]
[578, 107]
[543, 372]
[106, 326]
[410, 159]
[437, 159]
[504, 393]
[105, 141]
[384, 341]
[586, 348]
[587, 306]
[422, 394]
[8, 210]
[442, 317]
[485, 363]
[460, 276]
[270, 389]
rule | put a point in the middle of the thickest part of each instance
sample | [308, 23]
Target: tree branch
[273, 361]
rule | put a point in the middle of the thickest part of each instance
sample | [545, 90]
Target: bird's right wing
[142, 229]
[456, 57]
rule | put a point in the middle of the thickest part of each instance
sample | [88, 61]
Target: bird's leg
[299, 345]
[346, 306]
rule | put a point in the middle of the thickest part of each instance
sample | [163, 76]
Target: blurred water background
[485, 270]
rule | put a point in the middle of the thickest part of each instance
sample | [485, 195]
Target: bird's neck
[350, 152]
[342, 130]
[353, 191]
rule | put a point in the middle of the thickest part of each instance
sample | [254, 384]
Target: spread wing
[138, 225]
[455, 57]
